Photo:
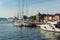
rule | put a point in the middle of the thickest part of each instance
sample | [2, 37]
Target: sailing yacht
[21, 20]
[18, 22]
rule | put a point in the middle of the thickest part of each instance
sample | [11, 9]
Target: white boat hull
[49, 28]
[17, 24]
[20, 23]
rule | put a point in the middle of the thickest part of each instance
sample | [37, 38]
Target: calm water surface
[10, 32]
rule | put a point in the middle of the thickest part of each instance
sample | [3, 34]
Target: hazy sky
[9, 8]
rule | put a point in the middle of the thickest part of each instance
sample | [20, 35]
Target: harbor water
[9, 32]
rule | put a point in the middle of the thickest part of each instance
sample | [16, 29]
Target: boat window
[45, 27]
[52, 28]
[58, 22]
[57, 25]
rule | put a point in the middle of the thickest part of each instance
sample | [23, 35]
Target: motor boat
[50, 27]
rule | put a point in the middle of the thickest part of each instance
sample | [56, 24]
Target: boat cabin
[58, 24]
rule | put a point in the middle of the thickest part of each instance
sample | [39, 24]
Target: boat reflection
[51, 35]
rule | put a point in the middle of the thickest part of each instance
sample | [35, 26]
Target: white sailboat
[50, 26]
[21, 20]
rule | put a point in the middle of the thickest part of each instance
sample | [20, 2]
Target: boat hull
[48, 28]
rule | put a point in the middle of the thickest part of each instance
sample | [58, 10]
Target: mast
[26, 7]
[18, 15]
[22, 8]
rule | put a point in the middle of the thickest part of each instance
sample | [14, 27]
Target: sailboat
[20, 20]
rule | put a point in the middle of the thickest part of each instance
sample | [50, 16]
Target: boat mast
[22, 8]
[18, 15]
[26, 7]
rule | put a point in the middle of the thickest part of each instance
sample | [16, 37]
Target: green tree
[32, 18]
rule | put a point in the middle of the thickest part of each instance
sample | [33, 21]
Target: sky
[9, 8]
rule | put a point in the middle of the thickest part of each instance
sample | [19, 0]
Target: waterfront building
[47, 17]
[56, 17]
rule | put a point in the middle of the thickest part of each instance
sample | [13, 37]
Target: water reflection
[51, 35]
[25, 33]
